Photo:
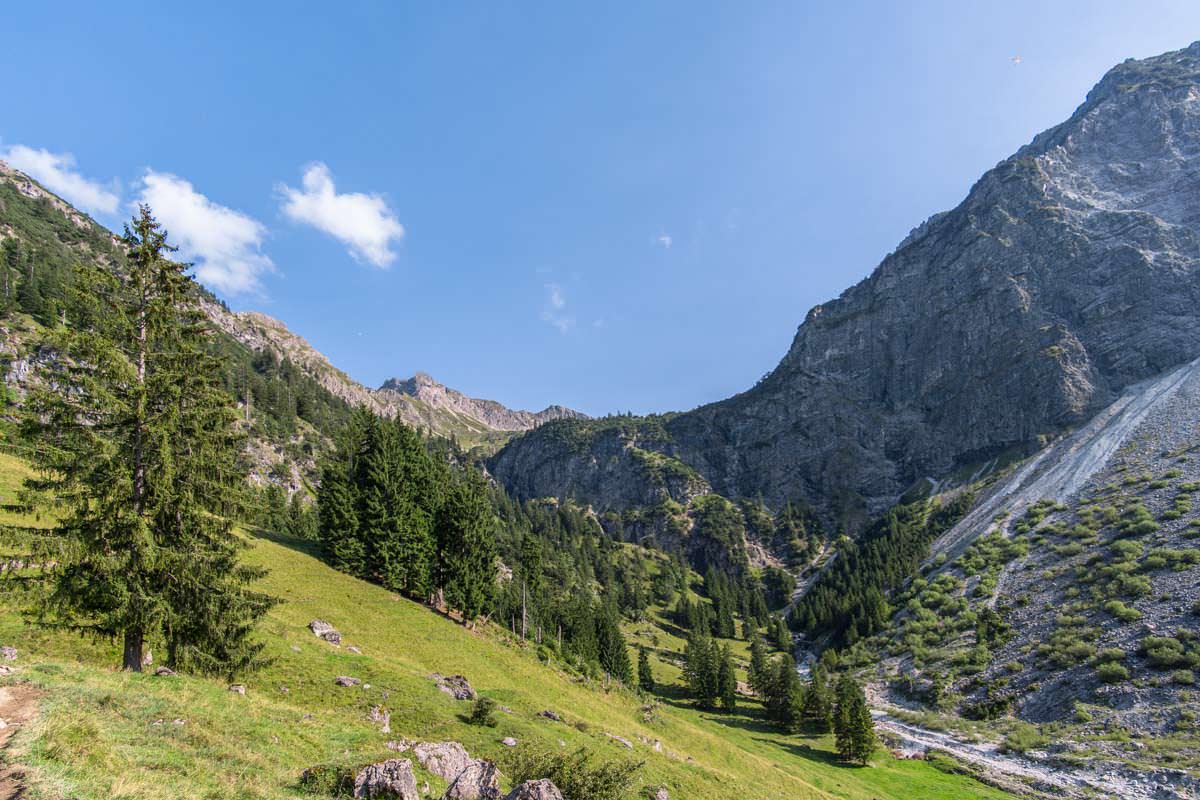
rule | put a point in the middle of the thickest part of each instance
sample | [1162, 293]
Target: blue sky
[611, 206]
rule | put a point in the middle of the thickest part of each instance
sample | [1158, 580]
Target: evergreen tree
[817, 711]
[614, 655]
[141, 459]
[727, 680]
[760, 674]
[466, 555]
[645, 676]
[853, 727]
[783, 636]
[702, 670]
[784, 696]
[338, 497]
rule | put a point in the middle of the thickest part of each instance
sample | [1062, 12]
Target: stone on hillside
[659, 794]
[382, 717]
[479, 781]
[238, 688]
[346, 680]
[508, 741]
[323, 630]
[6, 670]
[8, 653]
[541, 789]
[454, 685]
[444, 759]
[400, 745]
[392, 778]
[621, 740]
[353, 649]
[164, 672]
[550, 715]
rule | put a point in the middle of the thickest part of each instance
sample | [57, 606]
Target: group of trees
[141, 460]
[849, 600]
[709, 672]
[391, 512]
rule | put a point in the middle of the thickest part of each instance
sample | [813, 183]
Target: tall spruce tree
[759, 669]
[645, 674]
[817, 712]
[726, 680]
[141, 459]
[466, 548]
[853, 727]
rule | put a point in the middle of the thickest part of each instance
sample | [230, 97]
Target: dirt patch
[18, 706]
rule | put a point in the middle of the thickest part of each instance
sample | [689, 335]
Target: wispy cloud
[554, 309]
[362, 222]
[56, 171]
[226, 245]
[664, 241]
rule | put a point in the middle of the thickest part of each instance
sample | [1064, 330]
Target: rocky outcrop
[447, 760]
[480, 780]
[1067, 274]
[457, 686]
[392, 779]
[323, 630]
[541, 789]
[489, 413]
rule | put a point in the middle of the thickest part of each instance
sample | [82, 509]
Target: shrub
[575, 773]
[1121, 611]
[1112, 672]
[1184, 677]
[1023, 737]
[483, 712]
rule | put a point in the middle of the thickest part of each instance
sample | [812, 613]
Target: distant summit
[490, 413]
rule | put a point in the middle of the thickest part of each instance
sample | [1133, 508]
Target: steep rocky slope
[1067, 274]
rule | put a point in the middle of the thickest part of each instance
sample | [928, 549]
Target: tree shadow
[809, 753]
[306, 546]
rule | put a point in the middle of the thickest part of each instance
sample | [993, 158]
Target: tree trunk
[133, 650]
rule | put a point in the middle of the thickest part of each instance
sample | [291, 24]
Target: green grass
[98, 738]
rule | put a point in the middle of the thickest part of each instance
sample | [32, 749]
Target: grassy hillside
[106, 734]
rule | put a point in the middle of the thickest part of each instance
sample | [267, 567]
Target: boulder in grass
[660, 794]
[346, 680]
[541, 789]
[456, 686]
[508, 741]
[238, 688]
[550, 715]
[392, 778]
[323, 630]
[8, 653]
[447, 760]
[479, 781]
[164, 672]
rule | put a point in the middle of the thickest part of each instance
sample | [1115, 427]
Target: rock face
[1067, 274]
[543, 789]
[488, 413]
[392, 778]
[479, 781]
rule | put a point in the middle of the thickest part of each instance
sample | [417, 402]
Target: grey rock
[541, 789]
[346, 680]
[238, 688]
[323, 630]
[508, 741]
[456, 686]
[382, 717]
[392, 778]
[444, 759]
[660, 793]
[8, 653]
[164, 672]
[434, 395]
[480, 780]
[550, 715]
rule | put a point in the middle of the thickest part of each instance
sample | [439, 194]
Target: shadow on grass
[305, 546]
[810, 753]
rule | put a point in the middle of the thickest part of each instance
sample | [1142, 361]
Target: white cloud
[664, 241]
[362, 222]
[224, 244]
[554, 310]
[56, 171]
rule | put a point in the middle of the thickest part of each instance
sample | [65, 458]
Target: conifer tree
[726, 680]
[817, 711]
[645, 675]
[338, 503]
[466, 548]
[614, 656]
[853, 727]
[701, 670]
[759, 668]
[141, 459]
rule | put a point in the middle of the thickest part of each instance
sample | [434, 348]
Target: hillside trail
[18, 706]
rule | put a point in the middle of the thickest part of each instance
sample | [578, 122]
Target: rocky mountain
[1067, 274]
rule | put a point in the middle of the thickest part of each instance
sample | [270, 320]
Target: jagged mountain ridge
[1067, 274]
